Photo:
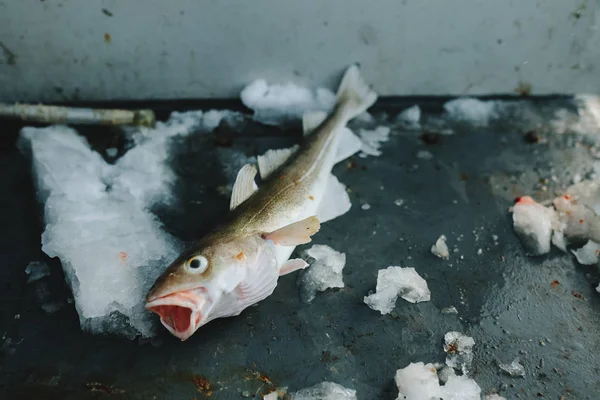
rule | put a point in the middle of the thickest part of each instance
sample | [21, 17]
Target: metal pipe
[71, 115]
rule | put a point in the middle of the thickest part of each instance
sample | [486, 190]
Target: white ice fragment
[365, 206]
[398, 202]
[324, 391]
[598, 288]
[495, 238]
[440, 248]
[533, 224]
[424, 155]
[112, 152]
[98, 218]
[410, 117]
[397, 281]
[418, 381]
[36, 270]
[576, 178]
[476, 112]
[445, 373]
[493, 396]
[514, 368]
[276, 103]
[449, 310]
[324, 273]
[479, 252]
[459, 348]
[588, 254]
[460, 388]
[372, 140]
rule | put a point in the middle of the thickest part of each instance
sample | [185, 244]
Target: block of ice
[397, 281]
[36, 270]
[598, 288]
[440, 248]
[372, 140]
[514, 368]
[418, 381]
[533, 223]
[476, 112]
[324, 273]
[97, 218]
[324, 391]
[410, 117]
[459, 348]
[276, 103]
[424, 155]
[445, 373]
[588, 254]
[461, 388]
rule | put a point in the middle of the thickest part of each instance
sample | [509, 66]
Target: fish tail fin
[354, 95]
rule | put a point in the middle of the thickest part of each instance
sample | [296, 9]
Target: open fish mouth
[180, 312]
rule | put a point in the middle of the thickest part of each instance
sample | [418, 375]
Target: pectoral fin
[292, 265]
[244, 185]
[296, 233]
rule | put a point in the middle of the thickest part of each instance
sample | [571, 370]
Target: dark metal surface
[505, 301]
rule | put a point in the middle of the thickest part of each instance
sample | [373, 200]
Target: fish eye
[197, 264]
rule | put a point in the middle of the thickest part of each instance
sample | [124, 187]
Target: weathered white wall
[57, 49]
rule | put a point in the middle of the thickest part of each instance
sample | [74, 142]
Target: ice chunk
[112, 152]
[598, 288]
[461, 388]
[98, 221]
[271, 396]
[459, 348]
[449, 310]
[476, 112]
[372, 140]
[440, 248]
[578, 222]
[399, 202]
[36, 270]
[365, 206]
[445, 373]
[493, 396]
[325, 391]
[533, 224]
[324, 273]
[588, 254]
[424, 155]
[410, 117]
[514, 368]
[418, 381]
[397, 281]
[276, 103]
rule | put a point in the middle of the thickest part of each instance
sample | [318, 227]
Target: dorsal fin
[244, 185]
[273, 159]
[311, 121]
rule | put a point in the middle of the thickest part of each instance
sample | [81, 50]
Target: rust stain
[107, 37]
[578, 295]
[523, 89]
[202, 385]
[123, 256]
[311, 198]
[555, 283]
[241, 256]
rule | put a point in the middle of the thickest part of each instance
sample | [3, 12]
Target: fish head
[199, 280]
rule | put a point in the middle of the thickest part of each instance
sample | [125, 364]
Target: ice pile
[278, 103]
[98, 221]
[440, 248]
[410, 118]
[459, 348]
[325, 391]
[324, 273]
[476, 112]
[397, 281]
[372, 140]
[514, 368]
[585, 122]
[419, 381]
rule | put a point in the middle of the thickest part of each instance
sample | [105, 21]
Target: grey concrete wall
[124, 49]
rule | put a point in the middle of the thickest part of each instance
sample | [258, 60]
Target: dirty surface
[544, 311]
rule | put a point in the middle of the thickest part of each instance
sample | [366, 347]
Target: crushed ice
[440, 248]
[410, 118]
[459, 350]
[325, 391]
[397, 281]
[324, 273]
[98, 221]
[476, 112]
[514, 368]
[277, 103]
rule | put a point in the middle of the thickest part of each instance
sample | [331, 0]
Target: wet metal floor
[545, 311]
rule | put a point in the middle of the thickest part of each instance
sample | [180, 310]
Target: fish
[238, 263]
